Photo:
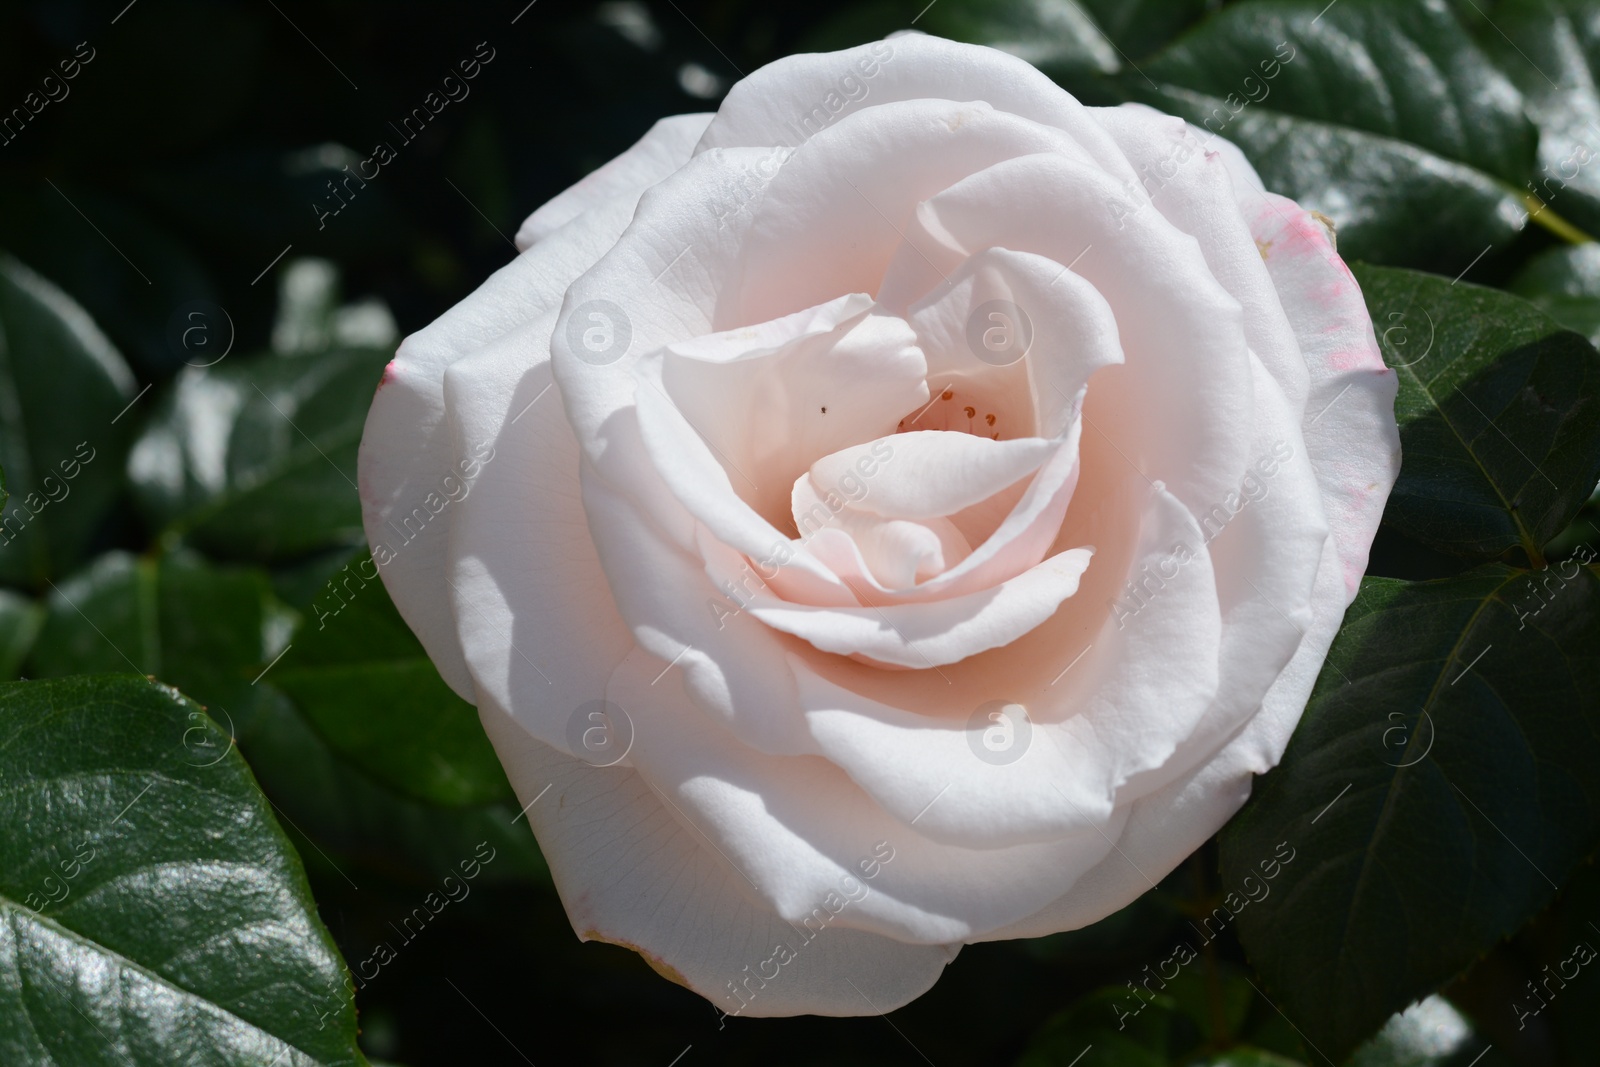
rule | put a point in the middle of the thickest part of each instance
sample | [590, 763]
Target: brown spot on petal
[658, 965]
[1327, 224]
[1264, 247]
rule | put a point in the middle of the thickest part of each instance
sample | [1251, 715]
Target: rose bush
[900, 510]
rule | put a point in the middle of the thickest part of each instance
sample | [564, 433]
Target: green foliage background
[189, 337]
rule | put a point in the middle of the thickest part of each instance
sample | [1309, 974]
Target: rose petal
[732, 665]
[796, 827]
[407, 453]
[631, 874]
[1350, 428]
[662, 280]
[1105, 710]
[1190, 175]
[1266, 542]
[812, 383]
[928, 474]
[932, 633]
[825, 226]
[772, 105]
[1073, 330]
[520, 543]
[1164, 826]
[1173, 408]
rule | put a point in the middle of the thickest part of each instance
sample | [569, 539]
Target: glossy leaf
[1551, 50]
[1499, 413]
[362, 678]
[153, 911]
[1443, 781]
[1137, 27]
[218, 631]
[63, 388]
[1386, 117]
[256, 458]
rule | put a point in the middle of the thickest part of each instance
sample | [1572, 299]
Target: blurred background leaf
[63, 387]
[360, 656]
[1565, 284]
[256, 458]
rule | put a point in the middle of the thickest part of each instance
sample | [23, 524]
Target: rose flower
[900, 510]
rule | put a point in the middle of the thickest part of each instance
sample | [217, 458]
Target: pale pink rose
[903, 509]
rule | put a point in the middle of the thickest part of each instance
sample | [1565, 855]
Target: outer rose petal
[1350, 428]
[521, 542]
[769, 106]
[796, 827]
[1355, 447]
[1199, 177]
[629, 872]
[406, 452]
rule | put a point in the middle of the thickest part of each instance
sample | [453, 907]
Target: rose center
[963, 407]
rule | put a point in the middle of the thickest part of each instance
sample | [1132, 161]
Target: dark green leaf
[218, 629]
[1386, 117]
[209, 630]
[154, 912]
[256, 458]
[1138, 26]
[1212, 992]
[1499, 413]
[1057, 36]
[135, 299]
[1551, 50]
[63, 388]
[348, 814]
[1444, 778]
[362, 678]
[1565, 284]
